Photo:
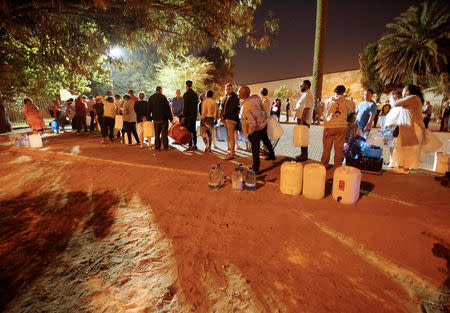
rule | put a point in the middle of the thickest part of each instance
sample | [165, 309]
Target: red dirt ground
[220, 251]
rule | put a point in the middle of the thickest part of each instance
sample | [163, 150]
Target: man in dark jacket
[160, 113]
[230, 117]
[190, 99]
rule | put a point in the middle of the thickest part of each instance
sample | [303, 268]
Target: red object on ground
[180, 133]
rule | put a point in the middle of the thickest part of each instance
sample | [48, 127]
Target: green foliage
[45, 45]
[222, 72]
[370, 77]
[416, 44]
[283, 92]
[173, 71]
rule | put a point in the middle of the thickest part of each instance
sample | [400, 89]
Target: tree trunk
[4, 123]
[319, 49]
[415, 78]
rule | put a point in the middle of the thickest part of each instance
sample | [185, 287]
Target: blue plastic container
[374, 152]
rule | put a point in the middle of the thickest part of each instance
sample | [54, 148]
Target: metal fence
[17, 118]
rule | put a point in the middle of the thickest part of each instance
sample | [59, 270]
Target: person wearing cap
[98, 110]
[336, 110]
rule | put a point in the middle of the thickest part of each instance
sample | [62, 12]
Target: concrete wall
[350, 79]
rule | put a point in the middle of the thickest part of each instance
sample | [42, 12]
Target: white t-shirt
[306, 101]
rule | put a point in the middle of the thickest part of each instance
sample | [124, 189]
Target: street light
[115, 52]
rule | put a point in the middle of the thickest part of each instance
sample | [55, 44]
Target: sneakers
[191, 148]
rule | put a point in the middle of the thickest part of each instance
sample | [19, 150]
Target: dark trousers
[81, 122]
[161, 131]
[91, 127]
[108, 127]
[255, 140]
[190, 125]
[304, 153]
[426, 121]
[100, 123]
[130, 128]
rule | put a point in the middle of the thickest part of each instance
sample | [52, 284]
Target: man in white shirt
[304, 112]
[335, 114]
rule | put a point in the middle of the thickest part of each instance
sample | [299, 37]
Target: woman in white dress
[411, 132]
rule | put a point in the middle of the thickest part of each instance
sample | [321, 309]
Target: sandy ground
[109, 228]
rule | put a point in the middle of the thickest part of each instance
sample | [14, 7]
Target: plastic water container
[274, 129]
[237, 180]
[221, 174]
[213, 180]
[441, 162]
[35, 141]
[119, 122]
[250, 179]
[291, 178]
[54, 125]
[314, 181]
[346, 184]
[149, 130]
[88, 120]
[301, 136]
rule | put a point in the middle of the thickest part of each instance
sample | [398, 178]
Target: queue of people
[246, 113]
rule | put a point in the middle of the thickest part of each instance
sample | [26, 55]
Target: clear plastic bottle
[237, 179]
[250, 179]
[243, 169]
[221, 175]
[214, 179]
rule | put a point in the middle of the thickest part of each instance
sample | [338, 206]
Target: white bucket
[314, 181]
[291, 178]
[119, 122]
[301, 136]
[35, 141]
[346, 184]
[149, 130]
[88, 120]
[441, 162]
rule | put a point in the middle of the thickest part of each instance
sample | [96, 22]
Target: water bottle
[214, 179]
[250, 179]
[237, 179]
[26, 142]
[242, 169]
[221, 175]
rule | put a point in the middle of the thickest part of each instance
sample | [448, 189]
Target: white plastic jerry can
[346, 184]
[291, 178]
[314, 181]
[441, 162]
[35, 141]
[301, 136]
[149, 130]
[119, 122]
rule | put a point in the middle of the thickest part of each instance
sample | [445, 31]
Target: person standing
[177, 105]
[209, 114]
[288, 107]
[80, 115]
[109, 114]
[367, 110]
[142, 110]
[336, 110]
[379, 108]
[161, 114]
[265, 101]
[33, 116]
[56, 113]
[254, 125]
[276, 109]
[230, 116]
[384, 111]
[190, 100]
[90, 107]
[304, 111]
[98, 110]
[129, 119]
[133, 97]
[445, 113]
[427, 114]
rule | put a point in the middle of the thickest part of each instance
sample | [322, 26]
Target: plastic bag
[430, 142]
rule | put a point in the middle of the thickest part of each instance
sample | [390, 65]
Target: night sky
[351, 25]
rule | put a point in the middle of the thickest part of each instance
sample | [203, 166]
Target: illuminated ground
[89, 228]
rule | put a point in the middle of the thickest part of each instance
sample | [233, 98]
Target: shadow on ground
[34, 231]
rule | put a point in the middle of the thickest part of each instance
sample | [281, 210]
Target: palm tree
[416, 43]
[319, 48]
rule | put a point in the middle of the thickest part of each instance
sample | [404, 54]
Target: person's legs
[230, 129]
[164, 134]
[132, 126]
[266, 141]
[157, 125]
[126, 126]
[83, 121]
[339, 140]
[111, 122]
[327, 141]
[140, 127]
[254, 141]
[104, 128]
[91, 127]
